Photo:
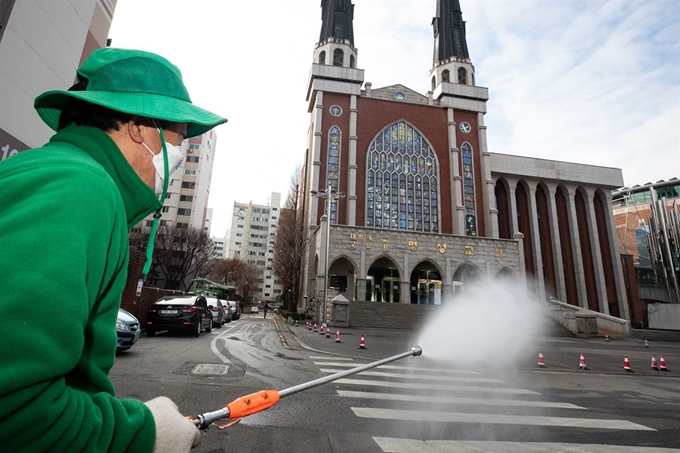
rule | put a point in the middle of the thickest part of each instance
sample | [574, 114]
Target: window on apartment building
[260, 263]
[184, 211]
[186, 198]
[267, 286]
[193, 159]
[239, 234]
[273, 217]
[239, 226]
[237, 243]
[190, 172]
[167, 196]
[193, 147]
[182, 225]
[165, 209]
[188, 185]
[148, 223]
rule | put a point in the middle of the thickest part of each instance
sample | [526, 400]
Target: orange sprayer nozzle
[253, 403]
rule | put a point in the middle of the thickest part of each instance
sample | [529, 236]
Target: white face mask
[175, 159]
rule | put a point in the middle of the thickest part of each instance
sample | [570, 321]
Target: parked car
[235, 309]
[228, 312]
[254, 309]
[179, 313]
[217, 309]
[128, 329]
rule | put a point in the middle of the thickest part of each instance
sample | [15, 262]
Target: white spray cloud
[491, 323]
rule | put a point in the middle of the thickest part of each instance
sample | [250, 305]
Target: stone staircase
[412, 317]
[389, 316]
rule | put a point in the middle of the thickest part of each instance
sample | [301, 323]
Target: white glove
[174, 433]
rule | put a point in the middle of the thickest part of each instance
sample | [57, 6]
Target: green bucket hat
[134, 82]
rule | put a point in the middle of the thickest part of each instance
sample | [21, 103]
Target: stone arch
[582, 206]
[322, 57]
[338, 57]
[505, 274]
[522, 194]
[383, 280]
[462, 76]
[545, 229]
[352, 61]
[564, 226]
[446, 75]
[502, 194]
[434, 83]
[425, 280]
[603, 220]
[465, 274]
[342, 271]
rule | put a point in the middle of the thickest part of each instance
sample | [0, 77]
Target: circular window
[399, 96]
[335, 110]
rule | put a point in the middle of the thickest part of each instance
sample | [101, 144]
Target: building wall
[42, 43]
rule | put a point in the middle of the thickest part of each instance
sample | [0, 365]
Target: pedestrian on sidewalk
[265, 309]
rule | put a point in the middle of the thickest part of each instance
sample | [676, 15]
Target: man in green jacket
[65, 212]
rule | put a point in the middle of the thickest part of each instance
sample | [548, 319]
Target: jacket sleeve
[63, 264]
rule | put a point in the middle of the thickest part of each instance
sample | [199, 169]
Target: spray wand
[264, 399]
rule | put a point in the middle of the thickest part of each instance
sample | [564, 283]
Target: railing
[568, 315]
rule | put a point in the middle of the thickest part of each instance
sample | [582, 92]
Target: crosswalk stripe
[427, 377]
[453, 417]
[420, 386]
[318, 357]
[394, 445]
[450, 400]
[398, 367]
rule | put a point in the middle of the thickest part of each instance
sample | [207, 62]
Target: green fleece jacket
[65, 211]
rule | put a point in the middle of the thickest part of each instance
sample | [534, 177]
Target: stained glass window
[402, 188]
[469, 191]
[333, 170]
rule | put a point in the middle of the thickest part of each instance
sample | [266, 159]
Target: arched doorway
[382, 281]
[342, 277]
[465, 275]
[426, 284]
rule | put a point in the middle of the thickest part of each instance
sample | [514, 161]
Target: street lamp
[330, 195]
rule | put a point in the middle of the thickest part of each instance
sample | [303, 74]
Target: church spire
[449, 32]
[337, 21]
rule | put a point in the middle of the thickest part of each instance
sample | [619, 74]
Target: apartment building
[186, 204]
[251, 238]
[42, 43]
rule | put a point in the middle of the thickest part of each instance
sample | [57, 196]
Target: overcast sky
[587, 81]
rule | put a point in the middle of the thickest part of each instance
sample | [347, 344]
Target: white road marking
[534, 420]
[215, 349]
[425, 377]
[420, 386]
[395, 367]
[451, 400]
[317, 357]
[393, 445]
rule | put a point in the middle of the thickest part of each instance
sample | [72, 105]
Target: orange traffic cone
[307, 325]
[626, 364]
[328, 332]
[315, 329]
[321, 330]
[646, 344]
[362, 343]
[337, 336]
[582, 362]
[662, 364]
[606, 338]
[296, 323]
[654, 365]
[540, 359]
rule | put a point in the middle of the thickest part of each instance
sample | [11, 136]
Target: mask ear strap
[157, 215]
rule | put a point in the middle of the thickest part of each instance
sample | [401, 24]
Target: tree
[237, 273]
[180, 254]
[291, 241]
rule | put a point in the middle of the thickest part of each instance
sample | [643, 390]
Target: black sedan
[179, 313]
[128, 330]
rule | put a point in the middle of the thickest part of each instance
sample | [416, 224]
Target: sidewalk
[380, 343]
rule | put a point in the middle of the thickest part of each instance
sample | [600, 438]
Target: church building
[404, 203]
